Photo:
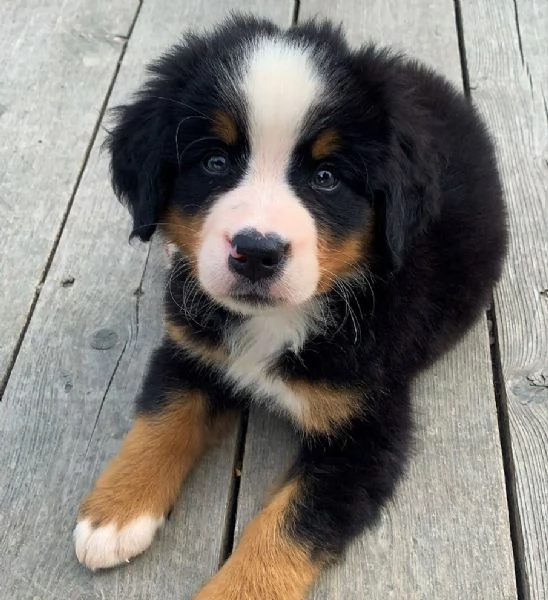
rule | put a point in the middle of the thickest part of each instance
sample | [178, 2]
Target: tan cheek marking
[184, 232]
[327, 142]
[208, 353]
[155, 458]
[225, 127]
[339, 259]
[336, 259]
[325, 407]
[267, 563]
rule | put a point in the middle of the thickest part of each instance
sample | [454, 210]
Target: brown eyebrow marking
[225, 127]
[326, 143]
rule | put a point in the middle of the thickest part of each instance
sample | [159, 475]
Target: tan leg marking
[267, 564]
[120, 516]
[155, 458]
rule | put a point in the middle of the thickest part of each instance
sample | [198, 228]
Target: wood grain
[446, 534]
[56, 70]
[68, 401]
[507, 49]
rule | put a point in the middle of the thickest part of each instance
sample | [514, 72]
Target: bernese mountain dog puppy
[338, 223]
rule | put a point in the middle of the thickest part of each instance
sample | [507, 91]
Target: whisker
[177, 135]
[181, 103]
[159, 223]
[203, 139]
[346, 289]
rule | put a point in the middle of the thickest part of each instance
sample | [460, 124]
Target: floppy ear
[141, 171]
[407, 179]
[142, 144]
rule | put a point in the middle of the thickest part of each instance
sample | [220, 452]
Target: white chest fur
[255, 345]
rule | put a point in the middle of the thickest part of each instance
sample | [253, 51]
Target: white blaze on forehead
[281, 84]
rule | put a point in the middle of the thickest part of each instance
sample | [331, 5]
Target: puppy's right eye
[216, 163]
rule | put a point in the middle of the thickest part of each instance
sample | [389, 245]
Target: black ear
[407, 179]
[412, 173]
[409, 184]
[142, 144]
[141, 167]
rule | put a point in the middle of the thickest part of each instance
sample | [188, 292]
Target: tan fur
[155, 458]
[213, 354]
[267, 564]
[337, 259]
[225, 127]
[340, 258]
[325, 144]
[184, 232]
[325, 407]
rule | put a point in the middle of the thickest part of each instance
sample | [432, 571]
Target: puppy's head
[277, 161]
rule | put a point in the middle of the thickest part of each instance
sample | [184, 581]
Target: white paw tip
[108, 546]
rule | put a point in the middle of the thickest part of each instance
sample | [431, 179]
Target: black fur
[416, 163]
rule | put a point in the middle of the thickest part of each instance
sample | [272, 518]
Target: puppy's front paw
[107, 545]
[139, 487]
[117, 520]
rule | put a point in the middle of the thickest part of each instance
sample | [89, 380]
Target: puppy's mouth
[255, 295]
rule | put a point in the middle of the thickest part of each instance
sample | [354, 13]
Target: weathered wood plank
[446, 533]
[56, 70]
[507, 49]
[68, 400]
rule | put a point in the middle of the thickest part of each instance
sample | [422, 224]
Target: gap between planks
[55, 245]
[516, 528]
[516, 533]
[339, 583]
[232, 516]
[506, 49]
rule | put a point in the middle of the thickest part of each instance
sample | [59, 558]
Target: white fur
[281, 85]
[279, 88]
[108, 546]
[254, 346]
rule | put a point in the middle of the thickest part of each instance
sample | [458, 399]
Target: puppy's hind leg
[335, 490]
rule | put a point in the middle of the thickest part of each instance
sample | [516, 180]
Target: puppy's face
[258, 151]
[260, 206]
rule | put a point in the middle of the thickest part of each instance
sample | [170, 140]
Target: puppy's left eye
[325, 179]
[216, 163]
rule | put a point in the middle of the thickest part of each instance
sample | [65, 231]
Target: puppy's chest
[255, 347]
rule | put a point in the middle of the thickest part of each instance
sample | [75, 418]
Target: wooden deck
[80, 313]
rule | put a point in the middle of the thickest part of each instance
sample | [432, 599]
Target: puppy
[338, 223]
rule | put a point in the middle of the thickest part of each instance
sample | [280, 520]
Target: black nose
[256, 256]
